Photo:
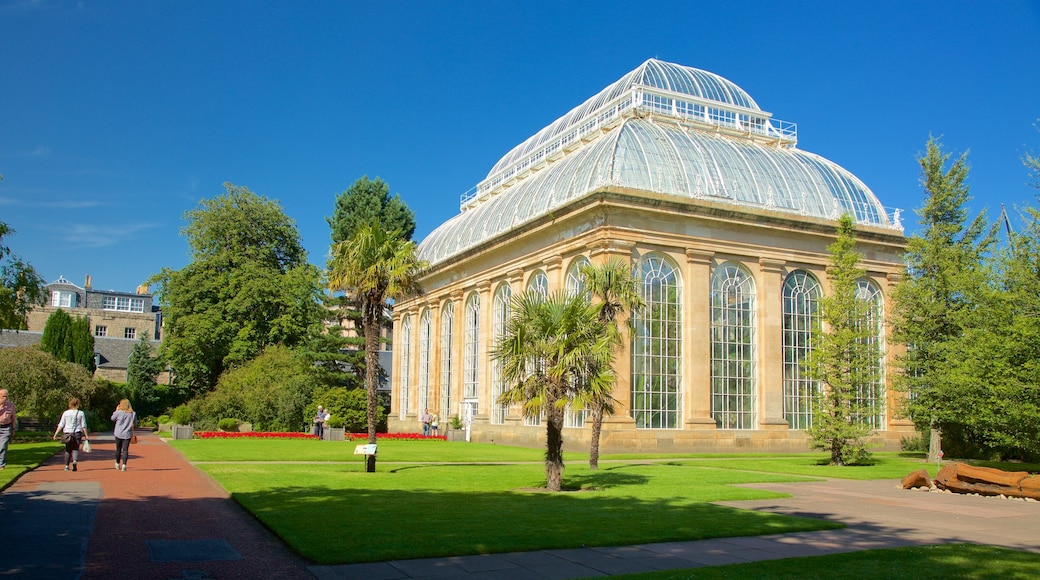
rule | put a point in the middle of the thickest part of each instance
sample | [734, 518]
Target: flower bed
[252, 435]
[280, 435]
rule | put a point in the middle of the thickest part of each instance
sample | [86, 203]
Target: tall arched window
[406, 364]
[734, 387]
[425, 338]
[872, 392]
[470, 361]
[500, 315]
[575, 279]
[801, 306]
[657, 347]
[539, 283]
[447, 368]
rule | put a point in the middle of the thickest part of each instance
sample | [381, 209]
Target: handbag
[133, 438]
[66, 438]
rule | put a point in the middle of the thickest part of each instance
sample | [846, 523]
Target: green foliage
[181, 415]
[845, 358]
[41, 385]
[336, 422]
[348, 405]
[248, 286]
[228, 424]
[141, 370]
[21, 288]
[69, 339]
[374, 266]
[367, 200]
[935, 303]
[271, 391]
[456, 422]
[552, 350]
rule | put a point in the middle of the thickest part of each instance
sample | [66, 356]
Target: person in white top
[73, 429]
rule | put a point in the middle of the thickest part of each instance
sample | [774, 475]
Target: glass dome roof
[688, 134]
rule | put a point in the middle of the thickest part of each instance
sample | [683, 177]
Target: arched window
[801, 311]
[733, 383]
[575, 279]
[470, 362]
[447, 368]
[872, 391]
[657, 347]
[538, 282]
[425, 336]
[500, 315]
[406, 364]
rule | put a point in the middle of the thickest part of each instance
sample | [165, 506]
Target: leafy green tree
[83, 343]
[614, 290]
[271, 391]
[41, 384]
[935, 300]
[69, 339]
[248, 286]
[845, 357]
[340, 351]
[366, 200]
[373, 267]
[141, 370]
[552, 349]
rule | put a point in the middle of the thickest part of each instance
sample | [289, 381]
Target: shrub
[337, 422]
[163, 419]
[181, 415]
[228, 424]
[349, 405]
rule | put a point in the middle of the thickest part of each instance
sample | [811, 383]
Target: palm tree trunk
[371, 385]
[554, 448]
[597, 429]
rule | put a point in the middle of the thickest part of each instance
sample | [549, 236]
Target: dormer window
[122, 304]
[64, 299]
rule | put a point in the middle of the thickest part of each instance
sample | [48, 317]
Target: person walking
[7, 414]
[73, 429]
[319, 422]
[124, 419]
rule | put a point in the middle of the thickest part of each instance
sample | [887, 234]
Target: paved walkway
[164, 518]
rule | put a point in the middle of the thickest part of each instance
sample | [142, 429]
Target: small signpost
[366, 449]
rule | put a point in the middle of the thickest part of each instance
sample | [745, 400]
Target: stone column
[697, 339]
[769, 311]
[599, 252]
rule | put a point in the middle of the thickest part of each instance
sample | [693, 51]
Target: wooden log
[958, 486]
[946, 474]
[975, 474]
[1030, 487]
[917, 478]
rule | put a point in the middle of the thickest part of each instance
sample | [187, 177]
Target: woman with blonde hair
[73, 429]
[124, 419]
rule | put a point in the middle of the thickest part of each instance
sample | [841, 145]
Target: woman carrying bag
[73, 429]
[124, 419]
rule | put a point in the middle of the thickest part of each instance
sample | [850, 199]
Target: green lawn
[460, 498]
[918, 562]
[25, 454]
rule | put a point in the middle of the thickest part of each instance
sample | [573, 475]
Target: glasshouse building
[726, 224]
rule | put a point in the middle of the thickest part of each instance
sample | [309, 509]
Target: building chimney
[86, 285]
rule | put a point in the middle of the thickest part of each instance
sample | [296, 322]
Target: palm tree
[613, 287]
[375, 266]
[552, 348]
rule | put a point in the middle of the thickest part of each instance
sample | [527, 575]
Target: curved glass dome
[657, 74]
[648, 149]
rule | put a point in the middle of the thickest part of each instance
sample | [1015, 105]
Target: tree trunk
[597, 429]
[934, 444]
[554, 448]
[371, 384]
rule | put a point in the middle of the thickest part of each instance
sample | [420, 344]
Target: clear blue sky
[118, 116]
